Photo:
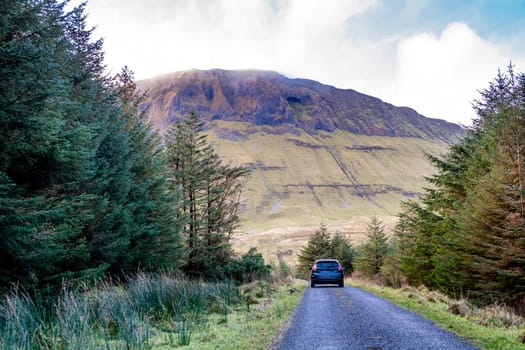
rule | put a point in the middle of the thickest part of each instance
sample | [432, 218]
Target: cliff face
[317, 153]
[268, 98]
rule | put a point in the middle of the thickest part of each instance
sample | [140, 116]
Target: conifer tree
[494, 217]
[154, 233]
[391, 270]
[472, 219]
[372, 253]
[321, 245]
[318, 247]
[44, 154]
[210, 194]
[342, 250]
[79, 192]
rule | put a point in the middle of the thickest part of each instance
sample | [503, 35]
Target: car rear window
[327, 264]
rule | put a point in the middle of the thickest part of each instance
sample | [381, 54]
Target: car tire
[341, 284]
[312, 284]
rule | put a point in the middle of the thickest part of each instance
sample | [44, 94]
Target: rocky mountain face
[268, 98]
[317, 153]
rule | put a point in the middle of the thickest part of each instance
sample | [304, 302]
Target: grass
[280, 176]
[254, 329]
[147, 312]
[491, 328]
[113, 316]
[300, 180]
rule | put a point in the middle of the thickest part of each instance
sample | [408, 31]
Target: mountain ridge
[269, 98]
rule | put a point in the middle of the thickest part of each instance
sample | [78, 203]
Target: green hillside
[317, 153]
[300, 180]
[303, 179]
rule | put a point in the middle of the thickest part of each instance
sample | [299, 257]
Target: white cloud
[437, 74]
[440, 75]
[298, 37]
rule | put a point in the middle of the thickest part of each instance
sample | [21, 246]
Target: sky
[431, 55]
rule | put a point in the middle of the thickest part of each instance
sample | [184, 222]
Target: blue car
[327, 271]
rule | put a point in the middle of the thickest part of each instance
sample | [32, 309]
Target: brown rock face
[268, 98]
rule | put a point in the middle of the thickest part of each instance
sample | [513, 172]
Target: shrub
[250, 267]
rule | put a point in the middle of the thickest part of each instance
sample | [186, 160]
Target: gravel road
[351, 318]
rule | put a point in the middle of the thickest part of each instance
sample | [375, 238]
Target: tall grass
[20, 322]
[112, 315]
[74, 322]
[121, 322]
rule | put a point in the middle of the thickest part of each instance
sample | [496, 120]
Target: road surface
[351, 318]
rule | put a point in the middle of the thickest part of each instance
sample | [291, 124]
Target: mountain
[317, 153]
[268, 98]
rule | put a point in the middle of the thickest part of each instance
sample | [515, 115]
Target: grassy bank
[491, 328]
[149, 312]
[254, 329]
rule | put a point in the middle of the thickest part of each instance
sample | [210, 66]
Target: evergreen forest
[466, 236]
[87, 188]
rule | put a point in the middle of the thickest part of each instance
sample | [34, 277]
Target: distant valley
[317, 153]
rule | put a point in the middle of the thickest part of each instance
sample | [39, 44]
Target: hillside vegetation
[87, 188]
[316, 153]
[467, 234]
[301, 179]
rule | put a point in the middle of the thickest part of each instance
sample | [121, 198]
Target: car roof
[321, 260]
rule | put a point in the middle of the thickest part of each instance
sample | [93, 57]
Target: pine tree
[416, 235]
[319, 246]
[391, 271]
[342, 250]
[108, 176]
[429, 234]
[155, 240]
[472, 218]
[43, 156]
[79, 192]
[210, 194]
[494, 209]
[372, 253]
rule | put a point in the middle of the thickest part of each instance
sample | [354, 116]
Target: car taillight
[339, 268]
[314, 268]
